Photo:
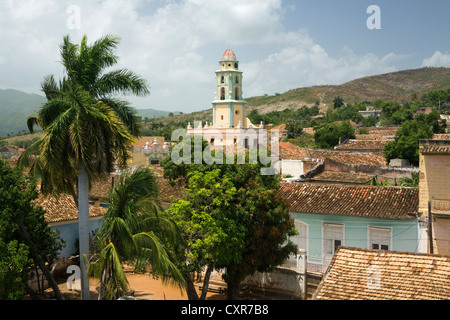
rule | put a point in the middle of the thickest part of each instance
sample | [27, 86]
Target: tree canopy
[231, 218]
[25, 237]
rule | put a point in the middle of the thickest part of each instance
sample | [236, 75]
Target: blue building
[370, 217]
[62, 215]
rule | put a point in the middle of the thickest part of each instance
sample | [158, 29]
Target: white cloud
[176, 46]
[438, 59]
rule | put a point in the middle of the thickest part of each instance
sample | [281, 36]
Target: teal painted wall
[405, 233]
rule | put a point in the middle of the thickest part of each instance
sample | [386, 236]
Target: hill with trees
[16, 106]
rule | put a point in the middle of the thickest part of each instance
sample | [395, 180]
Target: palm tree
[87, 130]
[129, 233]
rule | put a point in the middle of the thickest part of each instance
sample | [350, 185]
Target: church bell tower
[228, 105]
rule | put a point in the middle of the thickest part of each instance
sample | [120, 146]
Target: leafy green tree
[406, 142]
[231, 223]
[24, 234]
[294, 128]
[210, 234]
[329, 135]
[268, 226]
[87, 130]
[129, 234]
[338, 102]
[14, 260]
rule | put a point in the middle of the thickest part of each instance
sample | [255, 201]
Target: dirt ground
[145, 287]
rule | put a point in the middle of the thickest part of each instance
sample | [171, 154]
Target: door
[301, 240]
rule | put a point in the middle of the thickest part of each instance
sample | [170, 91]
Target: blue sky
[176, 45]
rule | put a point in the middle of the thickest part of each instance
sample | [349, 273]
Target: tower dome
[229, 55]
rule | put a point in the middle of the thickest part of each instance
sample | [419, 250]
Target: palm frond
[152, 250]
[121, 81]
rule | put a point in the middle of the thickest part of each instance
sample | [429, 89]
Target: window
[236, 112]
[221, 117]
[235, 65]
[333, 237]
[379, 238]
[212, 141]
[301, 239]
[222, 93]
[222, 79]
[237, 79]
[236, 94]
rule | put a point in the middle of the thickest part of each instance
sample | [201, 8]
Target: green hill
[395, 86]
[15, 107]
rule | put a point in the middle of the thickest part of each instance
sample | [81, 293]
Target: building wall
[441, 232]
[434, 178]
[405, 233]
[222, 114]
[292, 167]
[69, 232]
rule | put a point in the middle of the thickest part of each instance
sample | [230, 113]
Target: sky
[176, 45]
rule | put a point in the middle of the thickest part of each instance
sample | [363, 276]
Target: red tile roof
[358, 201]
[369, 145]
[362, 274]
[63, 208]
[343, 177]
[434, 146]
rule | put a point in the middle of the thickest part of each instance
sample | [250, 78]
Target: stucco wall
[69, 232]
[405, 233]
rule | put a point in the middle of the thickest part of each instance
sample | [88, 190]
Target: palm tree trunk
[83, 229]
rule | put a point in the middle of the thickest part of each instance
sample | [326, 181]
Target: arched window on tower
[236, 94]
[222, 79]
[222, 93]
[237, 79]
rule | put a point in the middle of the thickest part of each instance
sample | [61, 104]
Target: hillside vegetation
[395, 86]
[16, 106]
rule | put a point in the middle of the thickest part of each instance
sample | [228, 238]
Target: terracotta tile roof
[281, 128]
[369, 145]
[356, 158]
[434, 146]
[362, 274]
[372, 137]
[357, 201]
[290, 151]
[63, 208]
[384, 131]
[167, 193]
[100, 188]
[441, 136]
[343, 177]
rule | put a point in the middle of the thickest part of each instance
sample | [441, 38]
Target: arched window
[222, 93]
[236, 94]
[237, 79]
[222, 79]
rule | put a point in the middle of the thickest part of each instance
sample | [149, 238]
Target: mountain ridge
[394, 86]
[16, 106]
